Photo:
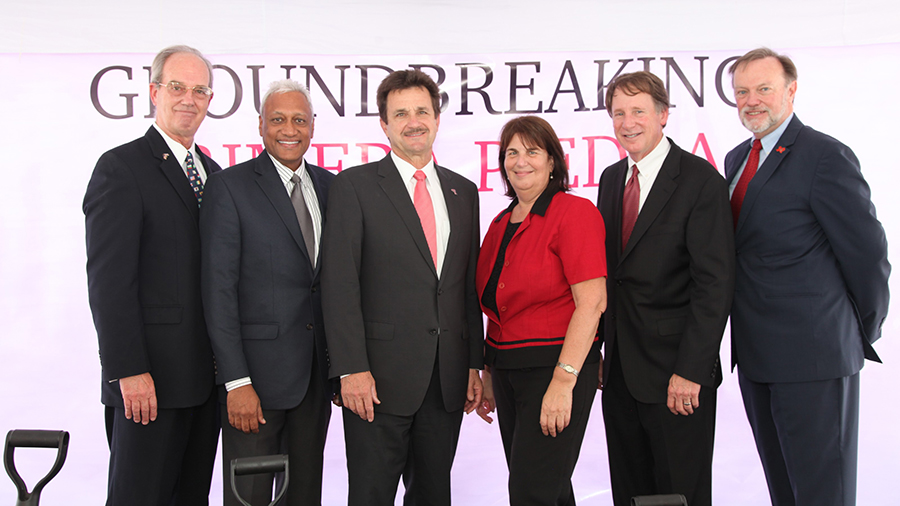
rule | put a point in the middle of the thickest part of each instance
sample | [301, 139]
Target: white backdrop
[50, 52]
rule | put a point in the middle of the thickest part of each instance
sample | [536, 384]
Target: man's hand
[684, 395]
[139, 396]
[359, 394]
[474, 391]
[244, 410]
[487, 404]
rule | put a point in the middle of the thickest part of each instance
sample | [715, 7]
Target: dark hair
[403, 80]
[534, 132]
[638, 82]
[790, 70]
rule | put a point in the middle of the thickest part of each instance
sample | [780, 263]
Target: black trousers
[299, 432]
[807, 435]
[652, 451]
[168, 462]
[419, 447]
[540, 467]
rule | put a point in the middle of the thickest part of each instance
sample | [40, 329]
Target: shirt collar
[540, 205]
[407, 171]
[178, 151]
[285, 172]
[650, 164]
[769, 141]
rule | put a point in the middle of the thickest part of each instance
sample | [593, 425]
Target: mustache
[417, 130]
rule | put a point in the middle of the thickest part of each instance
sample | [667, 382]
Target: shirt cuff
[240, 382]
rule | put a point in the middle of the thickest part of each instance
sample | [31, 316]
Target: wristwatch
[569, 369]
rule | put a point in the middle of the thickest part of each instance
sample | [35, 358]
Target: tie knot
[419, 175]
[634, 170]
[295, 178]
[189, 159]
[757, 145]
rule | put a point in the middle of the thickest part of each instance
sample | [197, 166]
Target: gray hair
[286, 86]
[159, 61]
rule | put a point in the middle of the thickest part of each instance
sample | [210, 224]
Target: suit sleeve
[220, 264]
[841, 202]
[113, 225]
[473, 306]
[342, 242]
[710, 245]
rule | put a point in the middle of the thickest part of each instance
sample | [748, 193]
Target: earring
[551, 176]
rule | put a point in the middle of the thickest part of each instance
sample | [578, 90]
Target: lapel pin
[780, 149]
[453, 190]
[165, 156]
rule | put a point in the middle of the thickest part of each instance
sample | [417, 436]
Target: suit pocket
[161, 315]
[671, 326]
[259, 331]
[380, 331]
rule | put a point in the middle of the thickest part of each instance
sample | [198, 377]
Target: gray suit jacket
[260, 292]
[386, 311]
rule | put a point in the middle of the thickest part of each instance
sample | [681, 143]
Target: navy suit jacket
[143, 268]
[260, 291]
[386, 311]
[669, 291]
[812, 271]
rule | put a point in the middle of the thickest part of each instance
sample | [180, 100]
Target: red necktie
[422, 201]
[737, 196]
[631, 204]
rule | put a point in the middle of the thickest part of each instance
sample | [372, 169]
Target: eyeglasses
[177, 89]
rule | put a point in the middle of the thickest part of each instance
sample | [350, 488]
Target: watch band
[569, 369]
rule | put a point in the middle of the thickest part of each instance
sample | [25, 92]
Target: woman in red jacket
[541, 280]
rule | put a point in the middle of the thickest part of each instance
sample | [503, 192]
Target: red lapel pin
[780, 149]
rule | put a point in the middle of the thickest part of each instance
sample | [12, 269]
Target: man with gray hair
[143, 265]
[260, 228]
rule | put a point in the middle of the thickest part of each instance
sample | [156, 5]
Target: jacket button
[501, 285]
[506, 263]
[433, 332]
[503, 308]
[441, 292]
[618, 282]
[309, 326]
[315, 289]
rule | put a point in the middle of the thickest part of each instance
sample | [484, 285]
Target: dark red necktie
[631, 203]
[737, 196]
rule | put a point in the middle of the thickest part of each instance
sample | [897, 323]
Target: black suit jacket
[143, 267]
[669, 291]
[385, 309]
[260, 291]
[812, 267]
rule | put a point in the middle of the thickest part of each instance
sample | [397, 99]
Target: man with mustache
[141, 212]
[402, 316]
[811, 291]
[260, 228]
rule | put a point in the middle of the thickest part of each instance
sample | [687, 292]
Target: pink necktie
[737, 196]
[422, 201]
[631, 204]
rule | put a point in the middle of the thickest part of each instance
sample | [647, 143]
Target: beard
[771, 119]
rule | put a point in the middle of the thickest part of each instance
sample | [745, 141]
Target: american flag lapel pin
[453, 190]
[165, 156]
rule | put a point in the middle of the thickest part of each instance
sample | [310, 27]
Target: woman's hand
[556, 408]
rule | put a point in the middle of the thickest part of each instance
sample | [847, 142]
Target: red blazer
[560, 243]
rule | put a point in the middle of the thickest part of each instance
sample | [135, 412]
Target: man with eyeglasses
[143, 265]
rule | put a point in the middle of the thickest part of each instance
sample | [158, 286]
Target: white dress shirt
[648, 168]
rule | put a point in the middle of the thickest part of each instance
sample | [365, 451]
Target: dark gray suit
[387, 312]
[263, 307]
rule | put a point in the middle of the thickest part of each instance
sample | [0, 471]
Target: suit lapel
[270, 183]
[659, 195]
[322, 197]
[455, 212]
[174, 172]
[769, 166]
[615, 211]
[393, 186]
[739, 157]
